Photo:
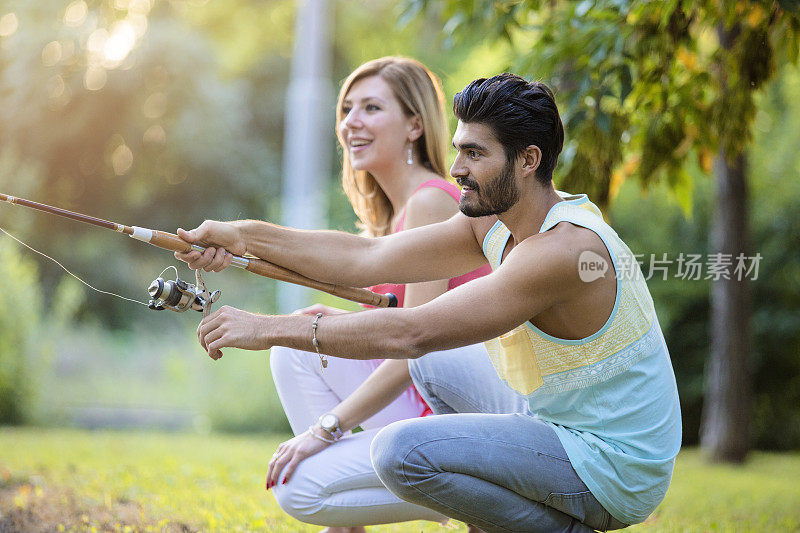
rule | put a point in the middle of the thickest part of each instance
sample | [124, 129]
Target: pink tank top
[399, 290]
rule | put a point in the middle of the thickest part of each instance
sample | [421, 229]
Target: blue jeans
[485, 459]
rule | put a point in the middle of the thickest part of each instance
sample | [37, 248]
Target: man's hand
[231, 327]
[290, 453]
[221, 239]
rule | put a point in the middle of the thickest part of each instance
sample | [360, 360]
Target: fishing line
[70, 273]
[170, 241]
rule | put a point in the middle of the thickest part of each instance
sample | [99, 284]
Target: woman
[392, 128]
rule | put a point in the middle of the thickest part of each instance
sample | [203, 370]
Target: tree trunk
[725, 429]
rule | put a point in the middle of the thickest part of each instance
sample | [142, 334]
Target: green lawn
[131, 481]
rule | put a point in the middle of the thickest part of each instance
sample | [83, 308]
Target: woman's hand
[231, 327]
[291, 453]
[222, 239]
[312, 310]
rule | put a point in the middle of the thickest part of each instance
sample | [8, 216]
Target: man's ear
[531, 159]
[415, 128]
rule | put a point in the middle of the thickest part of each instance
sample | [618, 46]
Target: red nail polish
[284, 481]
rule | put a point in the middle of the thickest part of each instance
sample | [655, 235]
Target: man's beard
[495, 198]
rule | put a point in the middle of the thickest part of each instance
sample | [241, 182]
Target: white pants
[306, 391]
[339, 486]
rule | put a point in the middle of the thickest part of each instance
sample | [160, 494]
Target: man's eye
[472, 154]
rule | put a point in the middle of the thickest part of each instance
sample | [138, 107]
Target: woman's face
[374, 129]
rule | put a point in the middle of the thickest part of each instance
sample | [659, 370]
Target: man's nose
[458, 169]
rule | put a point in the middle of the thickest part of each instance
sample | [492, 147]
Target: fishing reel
[179, 295]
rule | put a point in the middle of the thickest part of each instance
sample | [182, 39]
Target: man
[568, 318]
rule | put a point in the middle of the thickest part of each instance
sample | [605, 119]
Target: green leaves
[655, 71]
[19, 325]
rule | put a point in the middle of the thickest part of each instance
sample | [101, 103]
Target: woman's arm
[381, 388]
[391, 378]
[385, 384]
[427, 206]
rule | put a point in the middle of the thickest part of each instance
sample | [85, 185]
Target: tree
[126, 116]
[18, 330]
[645, 87]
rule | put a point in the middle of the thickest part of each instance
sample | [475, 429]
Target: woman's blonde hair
[419, 92]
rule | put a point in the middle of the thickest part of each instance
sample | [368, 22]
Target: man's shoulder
[568, 234]
[562, 238]
[559, 249]
[481, 226]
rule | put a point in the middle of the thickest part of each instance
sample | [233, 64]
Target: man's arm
[435, 251]
[539, 273]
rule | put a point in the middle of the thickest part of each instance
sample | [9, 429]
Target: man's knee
[396, 458]
[386, 456]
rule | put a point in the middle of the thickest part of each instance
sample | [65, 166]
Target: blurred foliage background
[163, 113]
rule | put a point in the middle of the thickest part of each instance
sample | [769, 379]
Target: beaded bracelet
[323, 359]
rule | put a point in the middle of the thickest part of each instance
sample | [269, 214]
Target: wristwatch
[330, 423]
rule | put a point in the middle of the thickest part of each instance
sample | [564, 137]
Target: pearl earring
[410, 159]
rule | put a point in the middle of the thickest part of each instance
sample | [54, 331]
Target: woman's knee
[299, 498]
[284, 362]
[279, 359]
[288, 501]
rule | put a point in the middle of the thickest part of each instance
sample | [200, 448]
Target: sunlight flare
[8, 25]
[76, 12]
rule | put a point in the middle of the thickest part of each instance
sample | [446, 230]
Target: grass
[136, 481]
[180, 482]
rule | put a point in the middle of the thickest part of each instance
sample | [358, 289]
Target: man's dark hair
[520, 112]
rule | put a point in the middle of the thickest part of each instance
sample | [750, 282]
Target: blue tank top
[610, 397]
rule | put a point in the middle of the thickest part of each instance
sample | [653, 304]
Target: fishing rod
[178, 295]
